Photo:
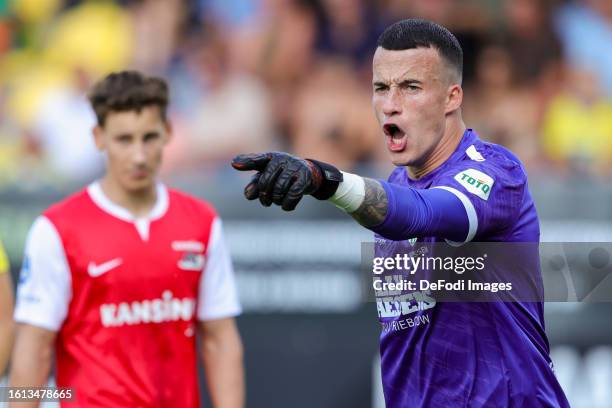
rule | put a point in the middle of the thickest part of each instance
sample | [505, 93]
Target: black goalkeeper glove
[284, 179]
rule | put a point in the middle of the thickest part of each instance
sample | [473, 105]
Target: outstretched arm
[395, 212]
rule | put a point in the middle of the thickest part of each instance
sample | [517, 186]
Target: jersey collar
[469, 138]
[105, 204]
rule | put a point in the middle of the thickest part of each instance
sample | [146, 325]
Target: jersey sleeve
[417, 213]
[44, 289]
[4, 264]
[491, 193]
[218, 297]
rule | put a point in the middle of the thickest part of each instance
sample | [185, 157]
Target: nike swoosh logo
[97, 270]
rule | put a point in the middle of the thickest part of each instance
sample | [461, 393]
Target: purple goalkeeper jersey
[460, 354]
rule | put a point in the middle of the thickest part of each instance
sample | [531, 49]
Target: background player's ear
[98, 134]
[169, 131]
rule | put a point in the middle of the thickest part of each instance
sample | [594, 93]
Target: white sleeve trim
[471, 214]
[217, 295]
[45, 284]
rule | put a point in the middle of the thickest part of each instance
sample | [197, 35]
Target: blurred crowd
[253, 75]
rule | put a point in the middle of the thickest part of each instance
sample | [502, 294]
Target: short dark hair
[415, 33]
[126, 91]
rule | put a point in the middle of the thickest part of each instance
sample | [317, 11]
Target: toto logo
[476, 182]
[481, 184]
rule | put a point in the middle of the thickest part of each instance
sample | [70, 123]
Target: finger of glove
[290, 203]
[282, 185]
[251, 191]
[266, 182]
[295, 193]
[251, 161]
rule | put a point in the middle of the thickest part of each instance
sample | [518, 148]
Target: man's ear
[98, 134]
[454, 98]
[169, 131]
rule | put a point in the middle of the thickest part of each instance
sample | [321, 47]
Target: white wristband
[350, 193]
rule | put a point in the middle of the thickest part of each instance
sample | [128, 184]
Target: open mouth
[396, 137]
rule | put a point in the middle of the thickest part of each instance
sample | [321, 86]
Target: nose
[391, 104]
[139, 156]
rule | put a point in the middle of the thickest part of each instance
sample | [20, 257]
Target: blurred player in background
[448, 185]
[120, 277]
[6, 311]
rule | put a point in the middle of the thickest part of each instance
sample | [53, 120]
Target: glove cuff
[326, 179]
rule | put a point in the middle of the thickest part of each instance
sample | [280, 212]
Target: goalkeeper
[447, 185]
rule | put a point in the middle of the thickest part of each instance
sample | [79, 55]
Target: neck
[138, 203]
[447, 145]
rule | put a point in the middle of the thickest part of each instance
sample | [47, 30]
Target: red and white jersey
[125, 295]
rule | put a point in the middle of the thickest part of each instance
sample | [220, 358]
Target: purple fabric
[459, 354]
[421, 212]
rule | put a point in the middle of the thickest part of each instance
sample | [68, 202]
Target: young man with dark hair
[121, 276]
[448, 186]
